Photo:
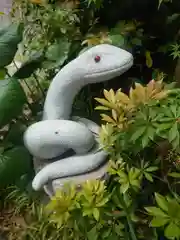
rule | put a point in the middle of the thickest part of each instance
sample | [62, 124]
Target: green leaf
[151, 169]
[30, 66]
[58, 52]
[173, 209]
[2, 73]
[149, 61]
[145, 141]
[13, 164]
[161, 201]
[12, 99]
[102, 202]
[101, 108]
[117, 40]
[138, 133]
[15, 134]
[172, 231]
[124, 187]
[105, 234]
[154, 211]
[160, 2]
[96, 214]
[10, 37]
[92, 234]
[172, 18]
[174, 174]
[175, 142]
[159, 222]
[148, 176]
[173, 132]
[118, 229]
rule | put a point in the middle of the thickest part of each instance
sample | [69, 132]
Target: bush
[140, 131]
[140, 200]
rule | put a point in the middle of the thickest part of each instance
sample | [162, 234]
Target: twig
[39, 85]
[27, 85]
[28, 103]
[132, 232]
[8, 73]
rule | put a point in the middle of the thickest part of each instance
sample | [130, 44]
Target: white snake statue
[58, 132]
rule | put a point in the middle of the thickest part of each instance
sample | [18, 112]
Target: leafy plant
[166, 215]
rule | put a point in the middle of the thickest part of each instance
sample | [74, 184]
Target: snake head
[104, 62]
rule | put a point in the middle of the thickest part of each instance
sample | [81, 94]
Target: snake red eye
[97, 58]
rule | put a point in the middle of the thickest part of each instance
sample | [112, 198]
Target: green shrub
[140, 200]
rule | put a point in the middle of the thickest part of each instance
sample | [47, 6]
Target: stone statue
[57, 133]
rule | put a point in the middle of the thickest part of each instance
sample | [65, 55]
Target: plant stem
[27, 85]
[29, 105]
[38, 84]
[132, 232]
[8, 73]
[133, 236]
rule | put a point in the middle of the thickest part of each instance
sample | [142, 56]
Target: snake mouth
[121, 69]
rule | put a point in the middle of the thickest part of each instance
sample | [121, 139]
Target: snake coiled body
[58, 132]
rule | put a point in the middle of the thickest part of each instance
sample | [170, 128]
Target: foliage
[166, 214]
[123, 206]
[13, 164]
[15, 161]
[12, 99]
[140, 130]
[10, 37]
[144, 129]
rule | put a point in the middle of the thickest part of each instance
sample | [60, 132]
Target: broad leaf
[172, 231]
[148, 176]
[174, 174]
[13, 164]
[138, 133]
[2, 73]
[151, 169]
[124, 187]
[96, 214]
[12, 99]
[58, 52]
[154, 211]
[15, 134]
[93, 234]
[159, 222]
[10, 37]
[117, 40]
[30, 66]
[149, 61]
[173, 132]
[173, 209]
[161, 201]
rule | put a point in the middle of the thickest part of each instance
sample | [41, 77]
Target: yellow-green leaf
[96, 214]
[114, 114]
[122, 97]
[124, 187]
[154, 211]
[101, 108]
[105, 102]
[149, 61]
[159, 222]
[172, 231]
[174, 174]
[161, 201]
[107, 118]
[148, 177]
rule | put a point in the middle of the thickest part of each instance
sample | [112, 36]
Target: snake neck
[61, 93]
